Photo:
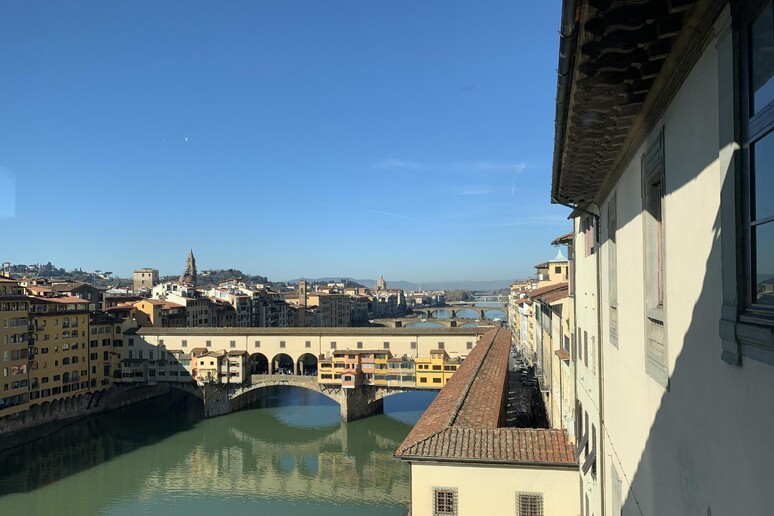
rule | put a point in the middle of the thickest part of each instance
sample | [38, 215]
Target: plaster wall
[702, 446]
[492, 489]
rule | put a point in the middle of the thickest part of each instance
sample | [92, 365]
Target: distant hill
[430, 285]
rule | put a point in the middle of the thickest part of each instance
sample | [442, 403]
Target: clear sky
[316, 138]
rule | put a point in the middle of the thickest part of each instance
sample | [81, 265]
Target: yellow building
[60, 368]
[435, 371]
[209, 365]
[154, 312]
[351, 368]
[14, 347]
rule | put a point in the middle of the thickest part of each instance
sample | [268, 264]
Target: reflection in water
[291, 455]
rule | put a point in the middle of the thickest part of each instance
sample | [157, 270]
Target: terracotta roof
[536, 293]
[462, 422]
[564, 239]
[312, 331]
[554, 295]
[64, 300]
[514, 445]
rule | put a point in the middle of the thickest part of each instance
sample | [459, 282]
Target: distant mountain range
[430, 285]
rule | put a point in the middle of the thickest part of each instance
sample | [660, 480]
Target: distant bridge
[431, 312]
[404, 322]
[356, 403]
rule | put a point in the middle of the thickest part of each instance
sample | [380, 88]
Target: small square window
[208, 343]
[413, 345]
[282, 343]
[184, 343]
[232, 343]
[529, 504]
[308, 344]
[386, 345]
[444, 502]
[470, 345]
[161, 342]
[359, 345]
[333, 344]
[441, 345]
[257, 344]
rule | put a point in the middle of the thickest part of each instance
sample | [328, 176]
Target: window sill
[744, 338]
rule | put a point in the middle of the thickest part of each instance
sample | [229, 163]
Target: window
[757, 116]
[585, 348]
[589, 234]
[359, 345]
[308, 344]
[441, 345]
[386, 345]
[333, 344]
[413, 345]
[557, 270]
[612, 267]
[161, 342]
[282, 343]
[529, 504]
[469, 345]
[184, 343]
[444, 501]
[232, 344]
[423, 380]
[257, 344]
[653, 248]
[208, 343]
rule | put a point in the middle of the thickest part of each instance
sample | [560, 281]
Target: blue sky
[403, 138]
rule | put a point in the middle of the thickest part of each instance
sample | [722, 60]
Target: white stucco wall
[703, 446]
[485, 490]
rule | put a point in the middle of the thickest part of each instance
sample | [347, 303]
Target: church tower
[189, 276]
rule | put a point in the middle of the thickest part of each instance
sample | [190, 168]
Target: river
[290, 455]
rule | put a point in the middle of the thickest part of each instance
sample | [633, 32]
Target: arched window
[65, 360]
[66, 322]
[74, 333]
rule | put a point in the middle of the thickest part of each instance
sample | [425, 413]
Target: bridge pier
[360, 402]
[216, 400]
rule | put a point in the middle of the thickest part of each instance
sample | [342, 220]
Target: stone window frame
[439, 492]
[745, 330]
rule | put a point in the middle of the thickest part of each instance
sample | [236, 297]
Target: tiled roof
[515, 445]
[310, 331]
[544, 290]
[563, 239]
[462, 423]
[554, 295]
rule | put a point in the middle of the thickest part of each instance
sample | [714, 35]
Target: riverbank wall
[44, 419]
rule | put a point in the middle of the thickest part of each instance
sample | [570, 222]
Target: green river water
[290, 455]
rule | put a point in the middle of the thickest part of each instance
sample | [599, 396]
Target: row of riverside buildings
[653, 343]
[664, 152]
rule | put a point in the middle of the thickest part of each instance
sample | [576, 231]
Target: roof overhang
[620, 63]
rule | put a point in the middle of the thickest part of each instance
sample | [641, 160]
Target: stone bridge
[430, 312]
[403, 322]
[357, 403]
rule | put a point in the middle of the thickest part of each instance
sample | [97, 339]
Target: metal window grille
[444, 502]
[308, 344]
[529, 504]
[257, 344]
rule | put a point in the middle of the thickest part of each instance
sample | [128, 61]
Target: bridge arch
[259, 364]
[282, 363]
[306, 365]
[488, 312]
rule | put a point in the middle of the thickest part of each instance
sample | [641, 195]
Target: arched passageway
[307, 365]
[259, 364]
[282, 364]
